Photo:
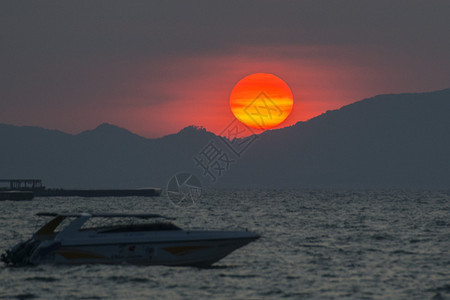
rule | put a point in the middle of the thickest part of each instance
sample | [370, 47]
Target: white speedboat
[148, 243]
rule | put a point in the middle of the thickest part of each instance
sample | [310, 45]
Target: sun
[261, 101]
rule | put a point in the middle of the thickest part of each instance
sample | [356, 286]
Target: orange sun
[261, 100]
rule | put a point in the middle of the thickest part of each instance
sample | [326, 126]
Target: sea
[315, 244]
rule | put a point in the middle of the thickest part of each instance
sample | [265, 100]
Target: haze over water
[315, 245]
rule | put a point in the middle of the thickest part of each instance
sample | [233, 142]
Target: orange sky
[199, 87]
[156, 99]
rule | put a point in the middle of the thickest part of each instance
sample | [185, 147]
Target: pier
[39, 190]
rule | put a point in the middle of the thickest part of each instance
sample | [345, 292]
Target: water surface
[315, 245]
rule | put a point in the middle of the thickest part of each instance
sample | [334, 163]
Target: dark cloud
[54, 29]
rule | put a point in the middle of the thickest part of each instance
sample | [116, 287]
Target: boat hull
[176, 253]
[156, 243]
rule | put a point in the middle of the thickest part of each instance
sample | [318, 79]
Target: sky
[155, 67]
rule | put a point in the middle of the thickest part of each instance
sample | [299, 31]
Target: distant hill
[388, 141]
[105, 157]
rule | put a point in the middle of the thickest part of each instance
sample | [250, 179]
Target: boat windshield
[115, 225]
[140, 228]
[51, 228]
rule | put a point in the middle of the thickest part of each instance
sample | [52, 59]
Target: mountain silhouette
[388, 141]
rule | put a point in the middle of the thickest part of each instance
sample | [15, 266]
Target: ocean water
[315, 245]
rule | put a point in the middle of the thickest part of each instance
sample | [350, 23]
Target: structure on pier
[23, 184]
